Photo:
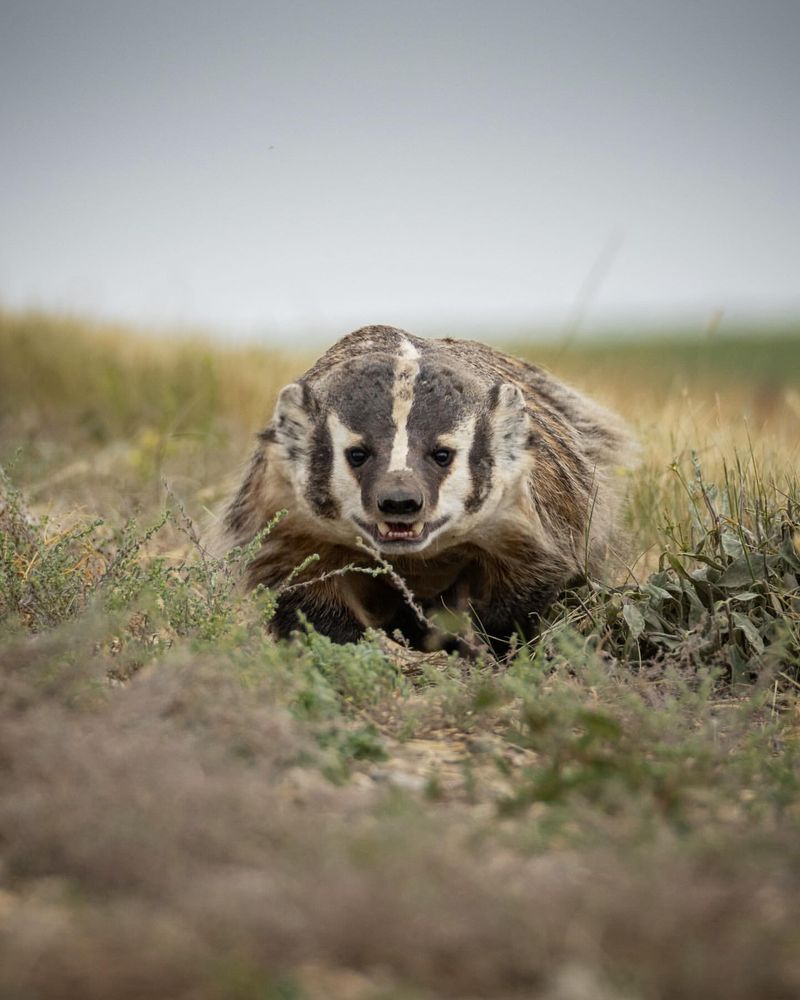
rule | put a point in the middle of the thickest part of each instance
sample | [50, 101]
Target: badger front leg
[513, 612]
[329, 616]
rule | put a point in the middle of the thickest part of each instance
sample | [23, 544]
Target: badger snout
[399, 495]
[400, 501]
[403, 502]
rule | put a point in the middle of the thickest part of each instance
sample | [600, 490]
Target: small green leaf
[740, 666]
[657, 592]
[751, 633]
[738, 573]
[635, 620]
[731, 544]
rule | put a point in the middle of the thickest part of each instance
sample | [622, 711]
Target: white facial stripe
[457, 484]
[403, 398]
[407, 350]
[453, 439]
[343, 487]
[405, 374]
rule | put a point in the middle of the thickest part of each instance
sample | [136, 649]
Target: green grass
[765, 358]
[189, 809]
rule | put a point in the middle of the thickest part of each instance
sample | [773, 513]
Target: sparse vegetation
[191, 810]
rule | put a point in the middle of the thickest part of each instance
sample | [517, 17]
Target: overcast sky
[266, 166]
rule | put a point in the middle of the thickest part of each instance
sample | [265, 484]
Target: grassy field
[190, 810]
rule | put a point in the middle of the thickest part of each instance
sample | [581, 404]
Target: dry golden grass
[104, 414]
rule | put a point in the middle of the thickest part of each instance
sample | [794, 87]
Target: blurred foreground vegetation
[190, 810]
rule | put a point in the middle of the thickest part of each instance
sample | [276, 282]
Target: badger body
[486, 483]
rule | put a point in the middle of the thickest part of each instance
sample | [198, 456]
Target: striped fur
[526, 501]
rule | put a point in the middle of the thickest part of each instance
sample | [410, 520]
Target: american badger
[484, 481]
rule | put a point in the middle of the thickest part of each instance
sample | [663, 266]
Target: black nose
[400, 502]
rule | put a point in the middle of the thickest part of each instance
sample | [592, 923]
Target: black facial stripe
[318, 491]
[362, 396]
[493, 396]
[440, 401]
[309, 402]
[481, 464]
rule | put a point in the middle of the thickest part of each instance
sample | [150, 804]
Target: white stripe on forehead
[406, 370]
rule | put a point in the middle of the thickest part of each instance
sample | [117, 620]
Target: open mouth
[400, 533]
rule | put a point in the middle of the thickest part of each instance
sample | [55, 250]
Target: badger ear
[512, 422]
[292, 418]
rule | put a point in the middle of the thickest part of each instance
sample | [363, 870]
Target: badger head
[410, 450]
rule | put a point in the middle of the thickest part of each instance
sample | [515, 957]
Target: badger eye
[442, 456]
[356, 456]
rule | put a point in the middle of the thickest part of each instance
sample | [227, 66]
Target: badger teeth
[398, 530]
